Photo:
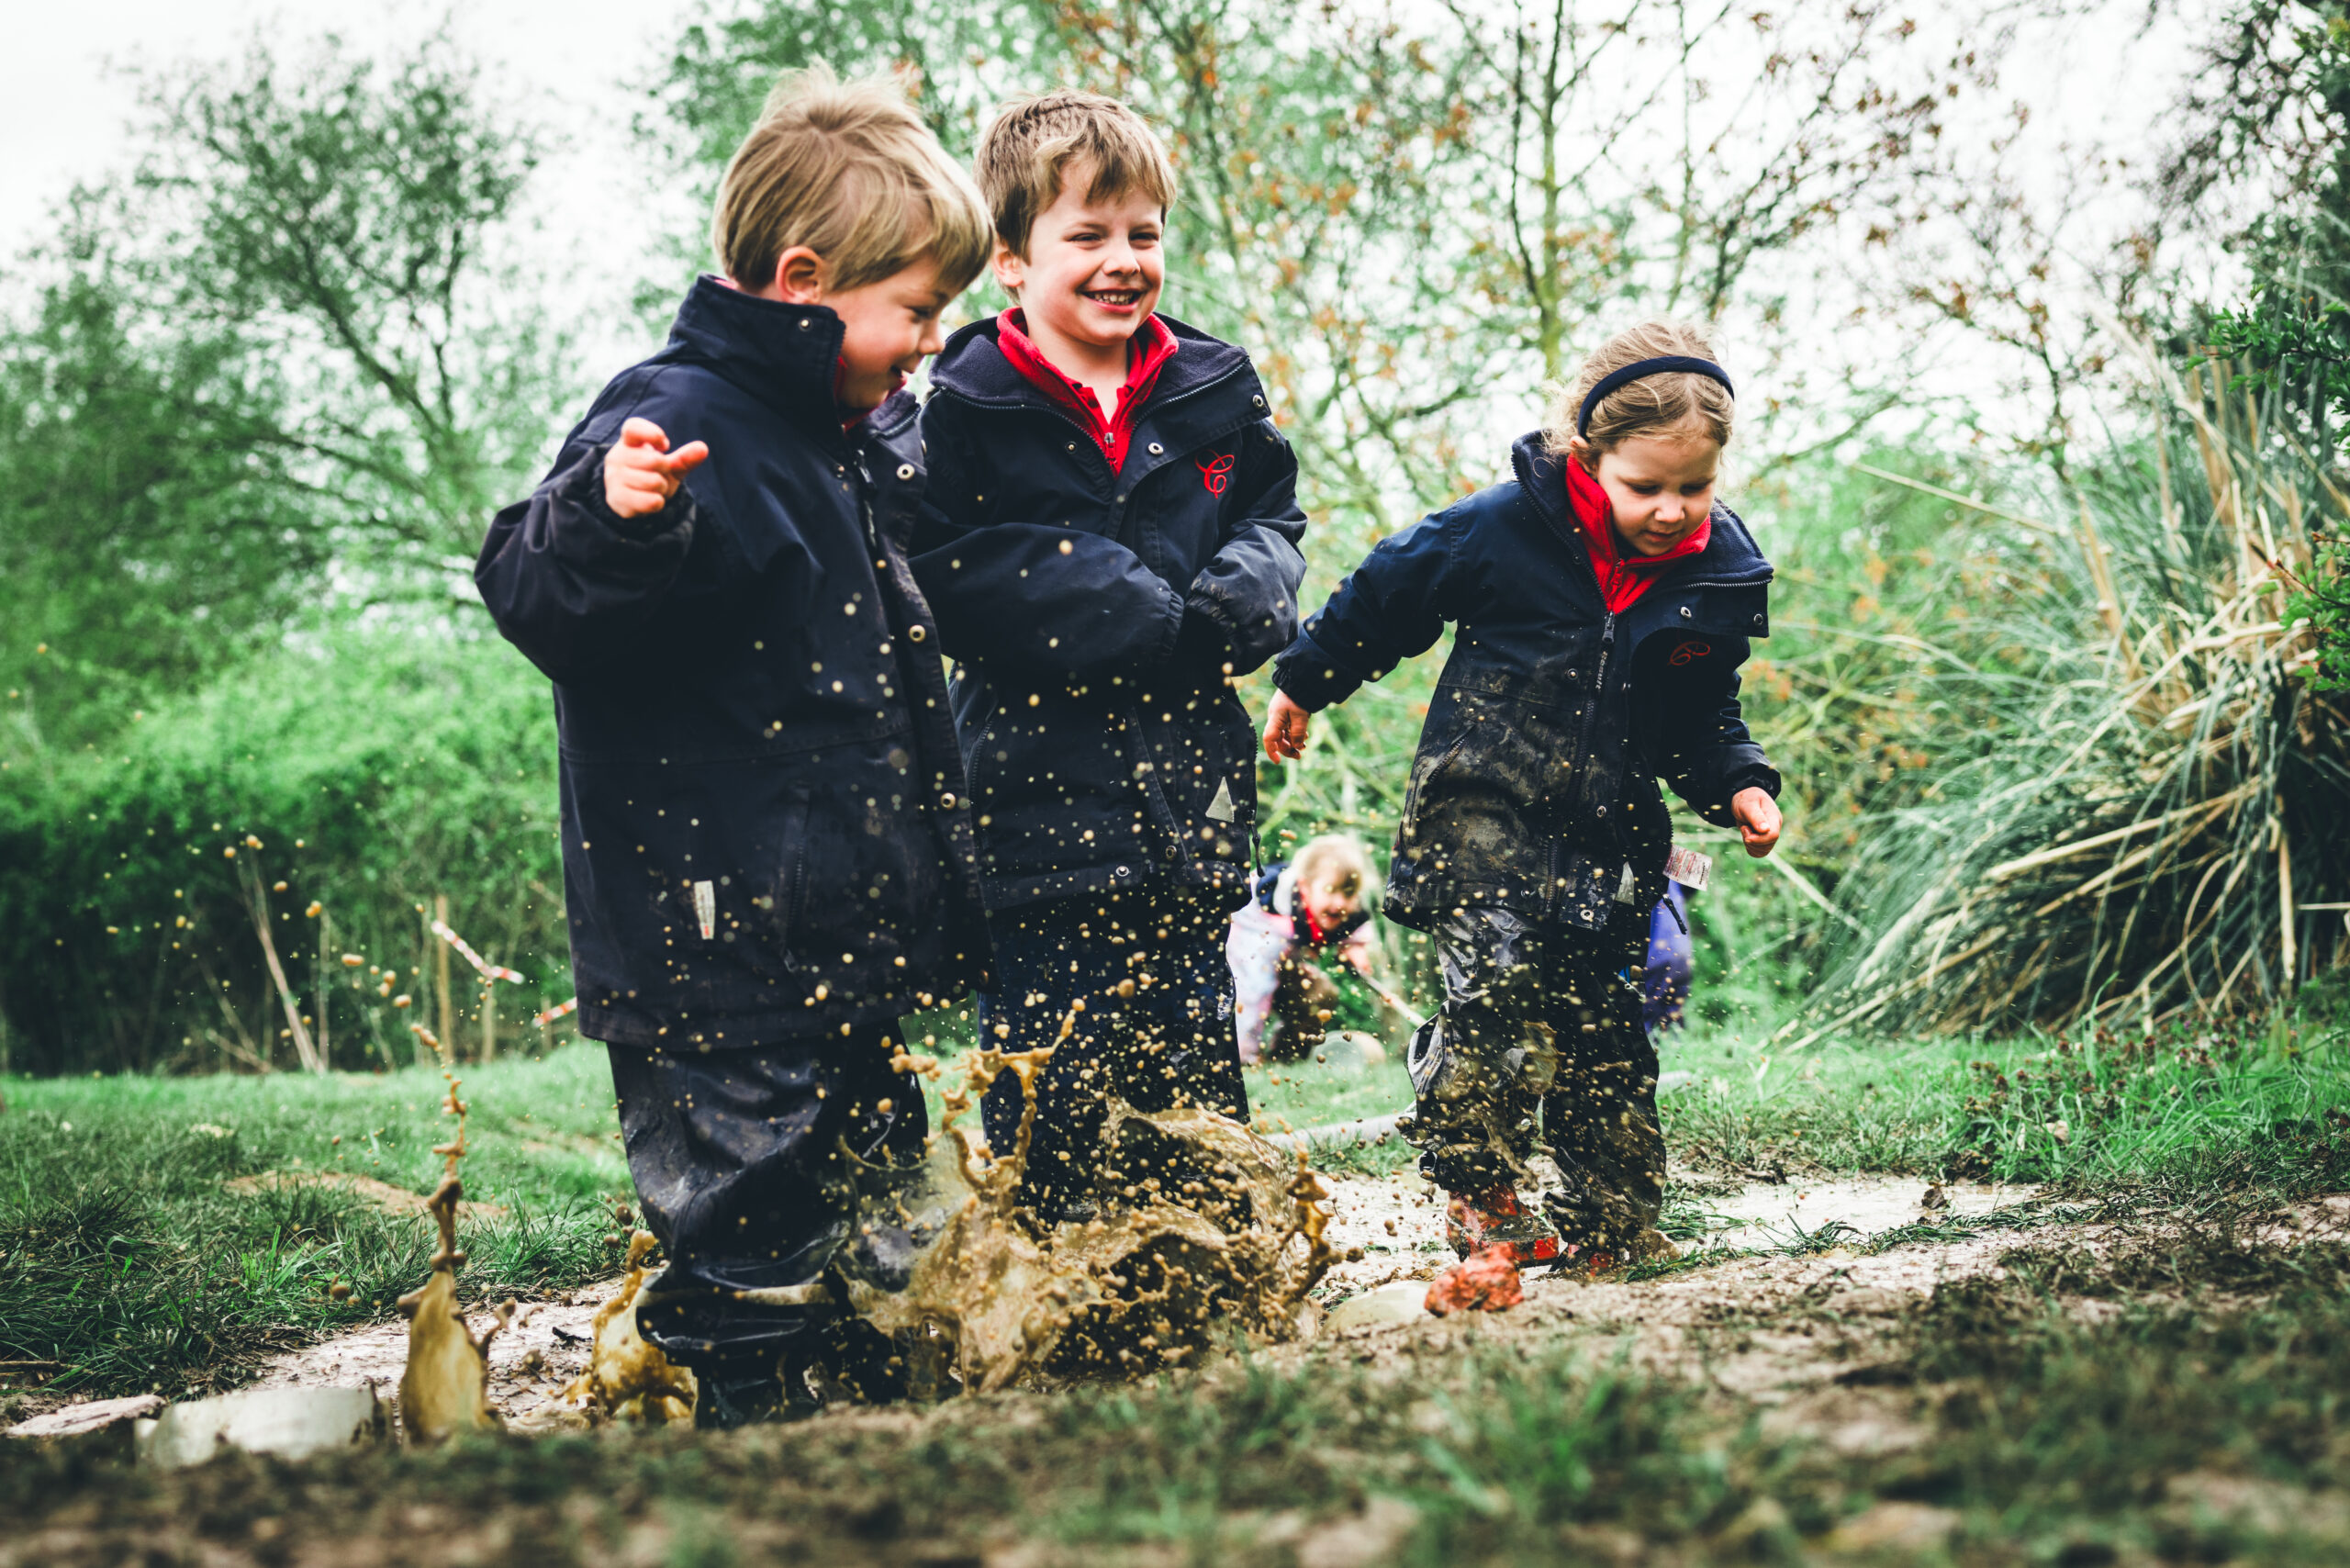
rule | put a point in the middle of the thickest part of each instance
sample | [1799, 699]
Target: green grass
[2038, 1108]
[126, 1262]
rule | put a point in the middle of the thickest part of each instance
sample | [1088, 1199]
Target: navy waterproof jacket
[1091, 615]
[764, 833]
[1536, 783]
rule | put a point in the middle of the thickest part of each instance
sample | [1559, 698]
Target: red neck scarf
[1623, 576]
[1151, 349]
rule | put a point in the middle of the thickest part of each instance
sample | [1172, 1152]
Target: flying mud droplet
[444, 1388]
[627, 1379]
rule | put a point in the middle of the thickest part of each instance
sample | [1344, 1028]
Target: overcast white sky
[64, 111]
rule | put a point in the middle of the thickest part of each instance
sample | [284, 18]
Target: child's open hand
[1758, 820]
[641, 473]
[1285, 726]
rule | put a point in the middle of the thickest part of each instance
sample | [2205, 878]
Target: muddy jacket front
[1091, 615]
[1536, 783]
[764, 833]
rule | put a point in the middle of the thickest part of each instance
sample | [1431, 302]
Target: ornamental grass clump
[2139, 813]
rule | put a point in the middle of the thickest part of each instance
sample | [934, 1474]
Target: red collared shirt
[1623, 576]
[1153, 347]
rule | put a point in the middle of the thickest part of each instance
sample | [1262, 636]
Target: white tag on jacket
[1221, 809]
[1689, 868]
[1626, 885]
[706, 908]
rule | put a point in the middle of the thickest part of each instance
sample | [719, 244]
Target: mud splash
[445, 1389]
[627, 1378]
[1210, 1231]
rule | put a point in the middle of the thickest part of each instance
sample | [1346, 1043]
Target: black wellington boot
[740, 1393]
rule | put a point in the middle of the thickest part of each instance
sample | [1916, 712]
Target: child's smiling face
[1328, 901]
[1093, 270]
[1660, 486]
[890, 327]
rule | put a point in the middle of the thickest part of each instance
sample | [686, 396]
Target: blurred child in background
[1313, 913]
[1665, 978]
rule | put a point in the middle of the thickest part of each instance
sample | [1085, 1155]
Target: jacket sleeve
[567, 580]
[1707, 754]
[1390, 609]
[1029, 594]
[1248, 590]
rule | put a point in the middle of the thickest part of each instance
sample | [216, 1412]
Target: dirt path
[1398, 1224]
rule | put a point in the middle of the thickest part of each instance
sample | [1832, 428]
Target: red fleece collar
[1152, 348]
[1623, 576]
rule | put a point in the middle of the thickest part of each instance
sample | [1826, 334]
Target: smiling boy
[1111, 539]
[768, 856]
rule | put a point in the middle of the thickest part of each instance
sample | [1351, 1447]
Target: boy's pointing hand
[1758, 820]
[641, 473]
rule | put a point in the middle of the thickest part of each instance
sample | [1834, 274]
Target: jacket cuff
[1754, 776]
[1308, 677]
[1171, 630]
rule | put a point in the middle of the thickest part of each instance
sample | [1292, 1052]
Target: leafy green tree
[1413, 218]
[151, 535]
[286, 360]
[355, 220]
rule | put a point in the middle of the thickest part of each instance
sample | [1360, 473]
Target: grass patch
[2089, 1112]
[127, 1263]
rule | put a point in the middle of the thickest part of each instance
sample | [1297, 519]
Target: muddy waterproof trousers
[1540, 1045]
[1157, 1029]
[746, 1165]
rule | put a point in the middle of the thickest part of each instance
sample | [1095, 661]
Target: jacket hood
[1730, 554]
[787, 356]
[973, 365]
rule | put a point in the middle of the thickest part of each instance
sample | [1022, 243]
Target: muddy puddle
[1220, 1238]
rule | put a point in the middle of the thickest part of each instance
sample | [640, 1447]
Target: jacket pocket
[1412, 836]
[777, 893]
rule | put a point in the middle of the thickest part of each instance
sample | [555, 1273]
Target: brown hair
[849, 170]
[1336, 857]
[1031, 142]
[1658, 402]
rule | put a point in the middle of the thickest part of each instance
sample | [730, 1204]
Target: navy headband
[1637, 368]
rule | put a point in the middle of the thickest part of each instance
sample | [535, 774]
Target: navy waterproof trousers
[1155, 1030]
[747, 1164]
[1538, 1045]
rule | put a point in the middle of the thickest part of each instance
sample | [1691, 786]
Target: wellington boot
[1497, 1217]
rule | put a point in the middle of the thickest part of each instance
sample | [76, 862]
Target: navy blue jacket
[1091, 616]
[752, 704]
[1536, 781]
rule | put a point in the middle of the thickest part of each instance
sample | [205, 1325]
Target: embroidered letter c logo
[1688, 651]
[1216, 472]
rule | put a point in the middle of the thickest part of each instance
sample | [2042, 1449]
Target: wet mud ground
[2143, 1365]
[1827, 1375]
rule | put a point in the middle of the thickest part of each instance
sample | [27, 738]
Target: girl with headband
[1603, 602]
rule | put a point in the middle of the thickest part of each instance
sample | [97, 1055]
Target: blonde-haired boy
[1111, 538]
[767, 853]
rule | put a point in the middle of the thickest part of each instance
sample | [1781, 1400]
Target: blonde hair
[1335, 859]
[849, 170]
[1028, 148]
[1657, 402]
